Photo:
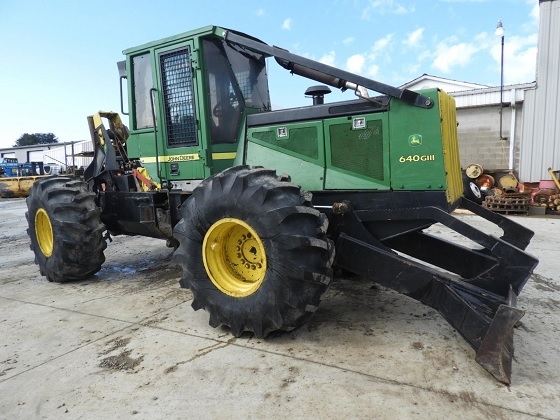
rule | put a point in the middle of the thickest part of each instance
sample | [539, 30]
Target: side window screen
[142, 86]
[178, 98]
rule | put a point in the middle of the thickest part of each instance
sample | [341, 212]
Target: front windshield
[234, 81]
[250, 72]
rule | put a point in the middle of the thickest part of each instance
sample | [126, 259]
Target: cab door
[181, 145]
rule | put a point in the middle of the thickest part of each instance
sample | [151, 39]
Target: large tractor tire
[254, 251]
[65, 229]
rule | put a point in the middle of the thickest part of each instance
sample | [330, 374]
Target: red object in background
[547, 184]
[541, 196]
[485, 182]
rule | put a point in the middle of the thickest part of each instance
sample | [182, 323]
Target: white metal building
[60, 154]
[540, 147]
[70, 154]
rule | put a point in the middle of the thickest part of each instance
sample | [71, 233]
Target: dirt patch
[122, 361]
[116, 344]
[171, 369]
[153, 322]
[545, 284]
[8, 365]
[293, 374]
[417, 345]
[165, 271]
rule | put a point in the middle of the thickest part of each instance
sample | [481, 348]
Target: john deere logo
[415, 140]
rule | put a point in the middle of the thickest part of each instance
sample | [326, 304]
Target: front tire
[254, 251]
[65, 229]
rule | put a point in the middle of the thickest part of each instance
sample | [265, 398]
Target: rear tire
[254, 251]
[65, 229]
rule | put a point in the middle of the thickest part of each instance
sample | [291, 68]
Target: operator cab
[188, 97]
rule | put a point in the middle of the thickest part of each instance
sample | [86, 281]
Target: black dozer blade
[475, 290]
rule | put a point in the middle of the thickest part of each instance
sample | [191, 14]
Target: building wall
[479, 136]
[24, 153]
[19, 153]
[69, 154]
[541, 123]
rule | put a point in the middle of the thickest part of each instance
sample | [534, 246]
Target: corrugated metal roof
[491, 96]
[430, 80]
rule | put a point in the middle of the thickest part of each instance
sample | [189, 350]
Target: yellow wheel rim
[234, 257]
[44, 232]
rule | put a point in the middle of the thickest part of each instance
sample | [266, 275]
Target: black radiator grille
[302, 140]
[359, 151]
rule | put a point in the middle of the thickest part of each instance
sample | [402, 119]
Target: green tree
[36, 138]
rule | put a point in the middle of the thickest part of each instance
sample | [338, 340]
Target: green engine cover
[400, 148]
[417, 152]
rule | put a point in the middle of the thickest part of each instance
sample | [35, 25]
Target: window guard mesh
[180, 120]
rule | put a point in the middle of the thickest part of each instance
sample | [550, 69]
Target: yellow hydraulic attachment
[117, 134]
[115, 125]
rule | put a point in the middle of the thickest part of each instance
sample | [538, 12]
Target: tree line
[35, 138]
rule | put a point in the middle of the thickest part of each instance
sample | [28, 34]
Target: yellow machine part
[115, 124]
[146, 182]
[44, 232]
[234, 257]
[16, 187]
[450, 147]
[552, 173]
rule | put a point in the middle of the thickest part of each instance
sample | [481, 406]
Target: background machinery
[262, 205]
[16, 178]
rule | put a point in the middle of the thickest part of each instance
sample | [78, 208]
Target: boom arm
[323, 73]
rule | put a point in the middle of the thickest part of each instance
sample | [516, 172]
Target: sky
[58, 57]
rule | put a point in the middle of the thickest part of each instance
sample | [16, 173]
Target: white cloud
[385, 6]
[412, 68]
[261, 12]
[424, 55]
[287, 24]
[355, 63]
[328, 58]
[348, 41]
[382, 43]
[521, 67]
[520, 58]
[372, 71]
[414, 38]
[449, 55]
[535, 11]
